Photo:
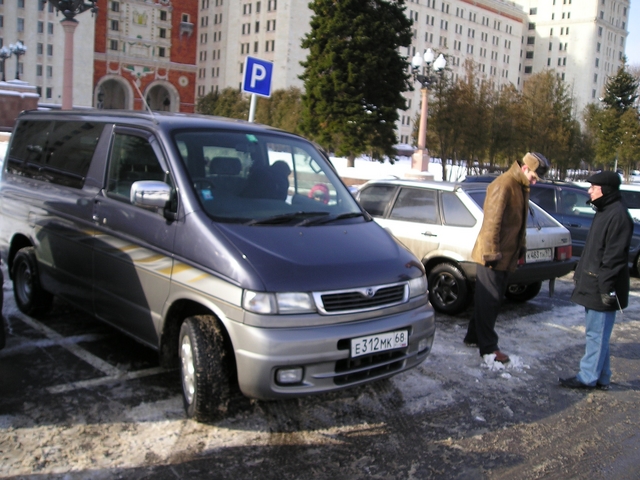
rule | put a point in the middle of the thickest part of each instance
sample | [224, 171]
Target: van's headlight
[417, 286]
[273, 303]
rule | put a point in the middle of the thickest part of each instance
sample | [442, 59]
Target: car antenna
[145, 103]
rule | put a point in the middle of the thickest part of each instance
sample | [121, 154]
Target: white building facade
[582, 40]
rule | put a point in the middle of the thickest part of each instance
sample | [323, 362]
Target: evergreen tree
[621, 91]
[354, 75]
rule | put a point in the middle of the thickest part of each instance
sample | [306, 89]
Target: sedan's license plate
[539, 255]
[379, 343]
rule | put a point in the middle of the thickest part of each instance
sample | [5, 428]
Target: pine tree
[621, 91]
[354, 75]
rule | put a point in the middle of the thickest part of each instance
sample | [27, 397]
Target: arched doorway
[113, 94]
[162, 97]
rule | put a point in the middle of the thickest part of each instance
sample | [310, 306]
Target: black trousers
[490, 289]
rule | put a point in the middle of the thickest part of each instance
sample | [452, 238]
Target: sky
[633, 40]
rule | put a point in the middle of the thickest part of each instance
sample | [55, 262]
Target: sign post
[256, 81]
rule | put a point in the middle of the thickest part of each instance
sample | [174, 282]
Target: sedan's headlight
[417, 286]
[283, 303]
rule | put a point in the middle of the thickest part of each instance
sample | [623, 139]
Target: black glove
[609, 299]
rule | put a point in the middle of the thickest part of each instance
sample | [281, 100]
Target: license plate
[379, 343]
[539, 255]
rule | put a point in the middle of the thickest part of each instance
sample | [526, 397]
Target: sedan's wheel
[30, 297]
[449, 291]
[523, 293]
[206, 368]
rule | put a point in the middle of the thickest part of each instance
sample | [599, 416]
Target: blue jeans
[594, 366]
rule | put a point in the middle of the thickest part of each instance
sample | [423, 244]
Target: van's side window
[55, 152]
[132, 159]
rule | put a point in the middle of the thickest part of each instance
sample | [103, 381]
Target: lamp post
[4, 54]
[18, 49]
[70, 8]
[420, 158]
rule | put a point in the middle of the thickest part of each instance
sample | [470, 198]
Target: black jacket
[603, 266]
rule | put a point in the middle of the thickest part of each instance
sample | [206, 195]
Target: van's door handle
[576, 225]
[96, 218]
[429, 234]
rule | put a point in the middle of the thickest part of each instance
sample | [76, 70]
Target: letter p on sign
[257, 77]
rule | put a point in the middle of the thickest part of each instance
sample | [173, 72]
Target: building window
[528, 69]
[38, 70]
[21, 24]
[40, 27]
[269, 46]
[50, 50]
[246, 28]
[49, 93]
[595, 78]
[113, 45]
[40, 5]
[532, 26]
[530, 54]
[533, 11]
[115, 7]
[20, 3]
[257, 28]
[163, 33]
[163, 15]
[39, 49]
[272, 5]
[531, 40]
[161, 52]
[49, 71]
[50, 28]
[246, 9]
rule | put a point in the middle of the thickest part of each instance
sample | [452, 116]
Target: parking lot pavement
[80, 400]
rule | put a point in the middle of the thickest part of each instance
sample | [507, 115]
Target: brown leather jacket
[502, 237]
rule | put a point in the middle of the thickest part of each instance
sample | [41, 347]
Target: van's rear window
[54, 151]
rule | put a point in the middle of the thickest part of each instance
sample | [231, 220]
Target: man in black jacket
[602, 278]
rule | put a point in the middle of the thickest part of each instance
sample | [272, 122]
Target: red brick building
[145, 47]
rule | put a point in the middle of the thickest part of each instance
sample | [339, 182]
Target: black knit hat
[608, 181]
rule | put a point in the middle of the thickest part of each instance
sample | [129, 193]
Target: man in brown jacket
[500, 243]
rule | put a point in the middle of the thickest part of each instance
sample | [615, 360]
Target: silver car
[440, 221]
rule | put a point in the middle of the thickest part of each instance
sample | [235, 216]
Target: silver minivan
[233, 249]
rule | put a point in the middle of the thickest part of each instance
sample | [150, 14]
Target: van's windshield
[263, 179]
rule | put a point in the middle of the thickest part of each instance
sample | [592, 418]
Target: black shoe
[573, 382]
[470, 343]
[603, 387]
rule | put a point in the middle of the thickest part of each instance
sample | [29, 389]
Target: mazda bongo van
[233, 249]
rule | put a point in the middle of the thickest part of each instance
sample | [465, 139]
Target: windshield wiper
[321, 221]
[285, 218]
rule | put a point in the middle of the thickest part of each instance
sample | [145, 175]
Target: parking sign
[257, 77]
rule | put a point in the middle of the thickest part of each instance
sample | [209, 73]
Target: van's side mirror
[150, 193]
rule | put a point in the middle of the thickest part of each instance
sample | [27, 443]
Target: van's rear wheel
[523, 293]
[206, 368]
[30, 297]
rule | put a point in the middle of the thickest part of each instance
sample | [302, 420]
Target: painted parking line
[112, 374]
[67, 387]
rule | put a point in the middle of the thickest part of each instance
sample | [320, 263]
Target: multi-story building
[582, 40]
[37, 25]
[485, 32]
[488, 32]
[145, 47]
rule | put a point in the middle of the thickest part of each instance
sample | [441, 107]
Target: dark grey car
[233, 249]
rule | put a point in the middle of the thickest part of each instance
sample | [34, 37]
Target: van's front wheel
[30, 297]
[206, 368]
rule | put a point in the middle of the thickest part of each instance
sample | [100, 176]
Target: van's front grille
[362, 299]
[368, 367]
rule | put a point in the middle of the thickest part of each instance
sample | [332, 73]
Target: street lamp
[420, 158]
[4, 54]
[18, 49]
[70, 8]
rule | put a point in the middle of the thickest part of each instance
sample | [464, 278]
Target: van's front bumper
[323, 353]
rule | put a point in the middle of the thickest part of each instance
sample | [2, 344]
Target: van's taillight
[563, 253]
